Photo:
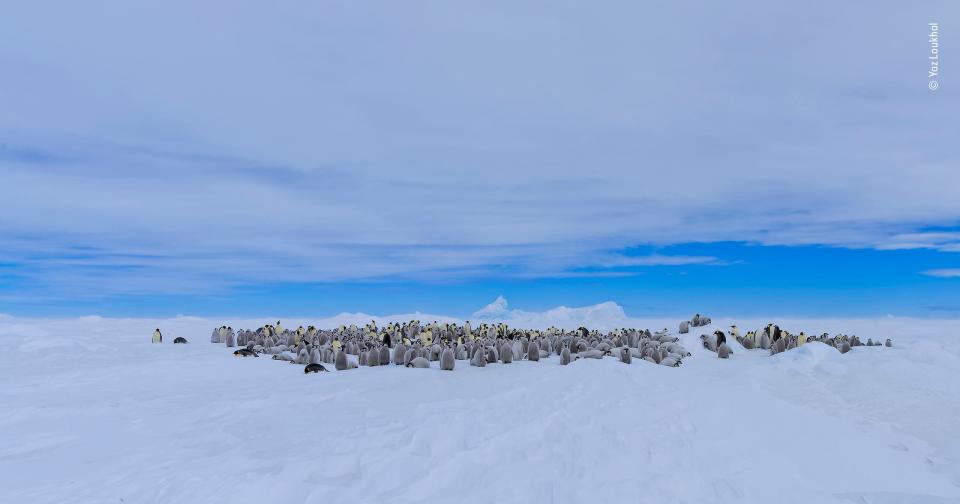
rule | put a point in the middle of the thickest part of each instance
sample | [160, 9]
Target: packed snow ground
[92, 412]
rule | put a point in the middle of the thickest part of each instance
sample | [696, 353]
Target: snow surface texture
[94, 413]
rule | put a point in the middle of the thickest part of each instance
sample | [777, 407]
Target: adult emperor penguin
[314, 368]
[721, 337]
[157, 337]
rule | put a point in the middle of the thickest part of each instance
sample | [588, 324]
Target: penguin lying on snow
[179, 340]
[314, 368]
[245, 352]
[419, 362]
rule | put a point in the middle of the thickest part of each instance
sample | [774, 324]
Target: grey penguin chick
[889, 343]
[419, 362]
[479, 359]
[844, 347]
[723, 351]
[506, 354]
[625, 356]
[384, 356]
[409, 355]
[398, 352]
[565, 356]
[446, 359]
[533, 352]
[340, 361]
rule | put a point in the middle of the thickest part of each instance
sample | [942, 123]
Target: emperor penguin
[340, 361]
[684, 327]
[179, 339]
[723, 351]
[231, 339]
[479, 358]
[419, 362]
[409, 355]
[533, 352]
[844, 347]
[721, 337]
[625, 355]
[506, 353]
[303, 357]
[157, 337]
[384, 355]
[764, 340]
[888, 343]
[446, 359]
[565, 356]
[314, 368]
[398, 352]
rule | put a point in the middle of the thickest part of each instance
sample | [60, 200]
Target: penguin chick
[533, 352]
[723, 351]
[479, 358]
[446, 359]
[419, 362]
[340, 361]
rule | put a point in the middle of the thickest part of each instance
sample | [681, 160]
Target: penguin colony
[777, 340]
[414, 345]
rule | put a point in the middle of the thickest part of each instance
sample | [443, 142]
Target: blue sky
[307, 158]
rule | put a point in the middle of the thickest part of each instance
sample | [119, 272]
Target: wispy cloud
[943, 273]
[432, 145]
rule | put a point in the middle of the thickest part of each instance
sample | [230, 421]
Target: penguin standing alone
[157, 337]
